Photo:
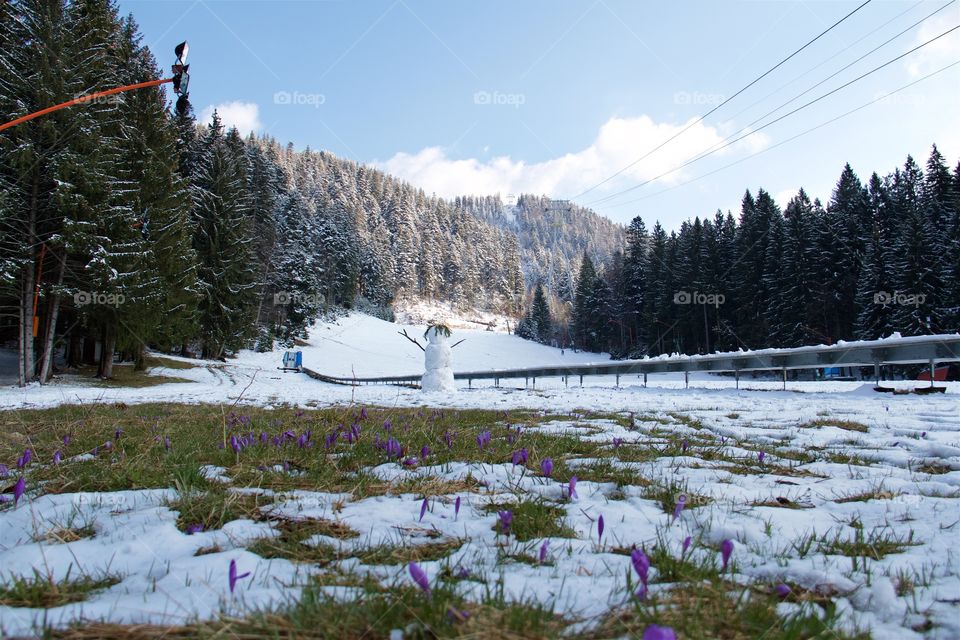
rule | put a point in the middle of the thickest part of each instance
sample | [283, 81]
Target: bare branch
[413, 340]
[456, 343]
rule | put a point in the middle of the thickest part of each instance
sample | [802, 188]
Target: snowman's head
[437, 334]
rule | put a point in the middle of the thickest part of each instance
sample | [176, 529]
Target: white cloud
[936, 54]
[245, 116]
[619, 142]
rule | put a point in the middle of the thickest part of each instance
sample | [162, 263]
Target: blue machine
[292, 361]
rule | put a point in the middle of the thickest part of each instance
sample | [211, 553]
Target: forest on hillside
[878, 258]
[124, 226]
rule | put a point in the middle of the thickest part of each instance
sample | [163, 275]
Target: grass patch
[668, 494]
[715, 609]
[878, 493]
[64, 535]
[606, 470]
[846, 425]
[214, 508]
[874, 545]
[534, 518]
[39, 591]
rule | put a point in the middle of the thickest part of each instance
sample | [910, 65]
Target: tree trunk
[139, 357]
[105, 371]
[46, 367]
[27, 356]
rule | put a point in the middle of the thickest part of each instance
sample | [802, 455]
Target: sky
[572, 99]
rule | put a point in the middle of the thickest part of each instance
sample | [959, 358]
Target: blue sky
[554, 96]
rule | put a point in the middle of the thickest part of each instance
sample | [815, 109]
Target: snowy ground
[855, 499]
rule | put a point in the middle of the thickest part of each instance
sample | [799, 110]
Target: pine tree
[916, 279]
[874, 317]
[540, 313]
[223, 242]
[582, 321]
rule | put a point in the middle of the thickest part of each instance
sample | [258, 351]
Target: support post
[644, 380]
[686, 379]
[932, 371]
[876, 372]
[736, 375]
[581, 380]
[618, 380]
[784, 378]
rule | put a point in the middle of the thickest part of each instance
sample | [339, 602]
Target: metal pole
[784, 378]
[618, 380]
[686, 379]
[736, 375]
[932, 370]
[644, 380]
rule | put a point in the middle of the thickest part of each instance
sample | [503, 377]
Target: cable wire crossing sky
[664, 110]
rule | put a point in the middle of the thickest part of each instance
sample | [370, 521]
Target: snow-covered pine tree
[915, 249]
[222, 238]
[874, 318]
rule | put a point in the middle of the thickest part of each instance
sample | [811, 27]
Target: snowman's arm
[413, 340]
[456, 343]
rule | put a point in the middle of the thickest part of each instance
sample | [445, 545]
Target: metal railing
[928, 350]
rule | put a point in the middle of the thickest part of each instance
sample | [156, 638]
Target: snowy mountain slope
[364, 346]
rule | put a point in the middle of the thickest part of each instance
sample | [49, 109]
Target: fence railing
[927, 350]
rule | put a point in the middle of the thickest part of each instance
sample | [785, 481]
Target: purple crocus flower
[641, 564]
[394, 450]
[515, 458]
[483, 439]
[524, 455]
[506, 517]
[235, 444]
[448, 438]
[196, 527]
[543, 551]
[726, 550]
[4, 471]
[117, 434]
[546, 466]
[681, 502]
[166, 443]
[463, 573]
[686, 545]
[617, 442]
[600, 528]
[684, 445]
[423, 509]
[363, 413]
[781, 591]
[572, 488]
[234, 577]
[387, 425]
[656, 632]
[24, 459]
[420, 577]
[57, 457]
[456, 508]
[424, 451]
[66, 440]
[18, 490]
[761, 456]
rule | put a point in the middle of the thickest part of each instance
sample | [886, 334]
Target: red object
[81, 99]
[939, 374]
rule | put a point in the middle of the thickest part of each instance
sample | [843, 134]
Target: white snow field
[841, 465]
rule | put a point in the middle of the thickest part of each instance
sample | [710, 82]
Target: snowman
[437, 360]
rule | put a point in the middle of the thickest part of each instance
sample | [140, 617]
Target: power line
[725, 101]
[838, 53]
[791, 139]
[730, 142]
[842, 69]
